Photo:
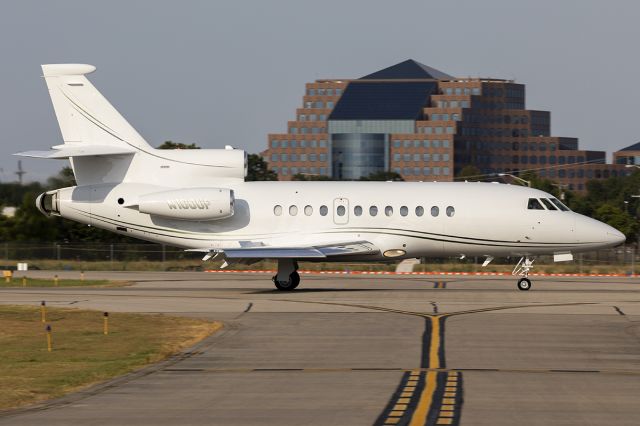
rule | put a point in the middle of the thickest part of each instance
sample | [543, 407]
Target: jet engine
[189, 204]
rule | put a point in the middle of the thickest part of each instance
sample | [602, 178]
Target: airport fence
[147, 256]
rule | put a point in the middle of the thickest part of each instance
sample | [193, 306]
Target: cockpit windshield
[534, 204]
[548, 204]
[561, 206]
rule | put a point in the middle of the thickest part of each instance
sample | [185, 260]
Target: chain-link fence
[622, 259]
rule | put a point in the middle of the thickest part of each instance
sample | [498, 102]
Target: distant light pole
[526, 182]
[561, 187]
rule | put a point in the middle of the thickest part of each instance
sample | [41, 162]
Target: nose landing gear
[522, 268]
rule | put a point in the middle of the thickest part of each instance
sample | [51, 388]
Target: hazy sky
[217, 73]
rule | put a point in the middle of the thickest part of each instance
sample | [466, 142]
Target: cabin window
[308, 210]
[341, 210]
[293, 210]
[388, 210]
[450, 211]
[373, 211]
[277, 210]
[404, 211]
[435, 211]
[560, 205]
[419, 211]
[548, 204]
[534, 204]
[357, 210]
[324, 210]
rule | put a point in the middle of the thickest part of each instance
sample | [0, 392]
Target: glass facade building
[427, 126]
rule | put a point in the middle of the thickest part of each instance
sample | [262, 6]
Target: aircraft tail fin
[84, 115]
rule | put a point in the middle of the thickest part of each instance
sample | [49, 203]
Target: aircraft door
[340, 211]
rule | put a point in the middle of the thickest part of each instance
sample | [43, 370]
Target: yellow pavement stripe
[444, 421]
[400, 407]
[396, 414]
[445, 407]
[424, 404]
[403, 400]
[434, 347]
[448, 401]
[446, 414]
[406, 395]
[393, 421]
[450, 394]
[410, 388]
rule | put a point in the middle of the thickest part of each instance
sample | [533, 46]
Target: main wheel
[524, 284]
[292, 283]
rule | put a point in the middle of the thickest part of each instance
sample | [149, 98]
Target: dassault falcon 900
[199, 200]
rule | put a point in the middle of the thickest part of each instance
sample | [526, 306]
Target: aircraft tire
[294, 280]
[524, 284]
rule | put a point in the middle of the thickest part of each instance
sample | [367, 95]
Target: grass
[82, 355]
[17, 281]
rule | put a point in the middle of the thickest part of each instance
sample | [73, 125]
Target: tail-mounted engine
[188, 204]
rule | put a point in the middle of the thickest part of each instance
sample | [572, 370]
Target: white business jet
[198, 200]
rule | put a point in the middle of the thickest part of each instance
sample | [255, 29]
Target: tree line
[611, 200]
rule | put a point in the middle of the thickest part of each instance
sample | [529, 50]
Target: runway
[359, 350]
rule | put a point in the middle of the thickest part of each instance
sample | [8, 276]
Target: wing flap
[313, 252]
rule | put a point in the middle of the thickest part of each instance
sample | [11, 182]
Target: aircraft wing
[322, 251]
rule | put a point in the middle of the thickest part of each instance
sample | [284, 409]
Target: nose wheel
[524, 284]
[522, 268]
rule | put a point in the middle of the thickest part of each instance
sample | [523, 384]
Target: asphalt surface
[359, 350]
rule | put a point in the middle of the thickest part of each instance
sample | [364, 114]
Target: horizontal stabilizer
[82, 150]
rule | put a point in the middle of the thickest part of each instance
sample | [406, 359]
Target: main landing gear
[522, 268]
[287, 277]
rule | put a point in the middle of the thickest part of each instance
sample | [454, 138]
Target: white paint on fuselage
[490, 219]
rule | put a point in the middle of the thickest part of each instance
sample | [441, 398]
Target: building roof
[401, 100]
[634, 147]
[408, 70]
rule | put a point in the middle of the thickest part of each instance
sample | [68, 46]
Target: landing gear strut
[522, 269]
[287, 277]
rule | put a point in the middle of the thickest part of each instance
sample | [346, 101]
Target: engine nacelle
[189, 204]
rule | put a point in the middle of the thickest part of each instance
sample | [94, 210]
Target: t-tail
[103, 148]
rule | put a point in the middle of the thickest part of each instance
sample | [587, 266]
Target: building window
[435, 144]
[445, 157]
[274, 157]
[407, 144]
[445, 171]
[396, 157]
[319, 104]
[311, 92]
[449, 130]
[407, 157]
[294, 157]
[436, 157]
[274, 144]
[416, 171]
[416, 157]
[396, 143]
[439, 130]
[436, 171]
[435, 211]
[425, 144]
[323, 157]
[406, 171]
[303, 157]
[294, 170]
[329, 104]
[426, 171]
[285, 171]
[323, 143]
[284, 157]
[313, 157]
[373, 211]
[323, 171]
[293, 130]
[277, 210]
[475, 91]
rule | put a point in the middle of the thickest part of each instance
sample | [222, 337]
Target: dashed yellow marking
[444, 421]
[450, 394]
[403, 400]
[448, 401]
[446, 414]
[396, 413]
[450, 388]
[406, 394]
[400, 407]
[392, 421]
[410, 388]
[447, 407]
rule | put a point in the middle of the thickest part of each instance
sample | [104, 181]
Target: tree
[469, 171]
[177, 145]
[258, 170]
[383, 176]
[63, 179]
[300, 176]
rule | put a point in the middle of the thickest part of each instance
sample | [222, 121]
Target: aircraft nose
[613, 236]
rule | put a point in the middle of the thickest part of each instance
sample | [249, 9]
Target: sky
[230, 72]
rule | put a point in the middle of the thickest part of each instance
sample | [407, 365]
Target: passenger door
[340, 211]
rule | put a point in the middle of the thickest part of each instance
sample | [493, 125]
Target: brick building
[426, 126]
